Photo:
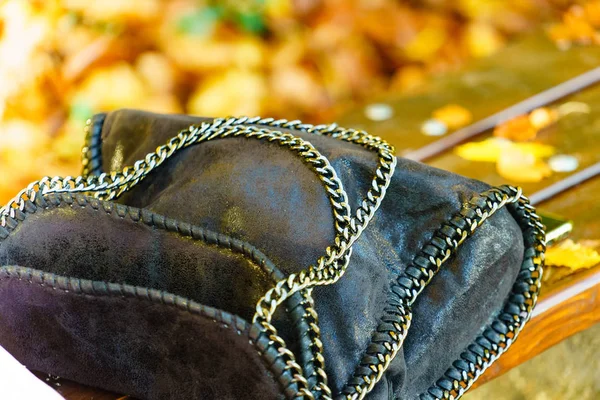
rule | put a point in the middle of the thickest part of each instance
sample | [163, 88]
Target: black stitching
[87, 288]
[235, 246]
[249, 252]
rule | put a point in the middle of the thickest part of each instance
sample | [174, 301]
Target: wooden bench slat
[485, 87]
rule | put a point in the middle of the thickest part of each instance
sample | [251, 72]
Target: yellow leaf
[236, 92]
[483, 39]
[491, 149]
[453, 116]
[488, 150]
[519, 165]
[537, 150]
[572, 255]
[426, 43]
[112, 87]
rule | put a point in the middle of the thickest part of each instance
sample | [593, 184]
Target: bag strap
[328, 268]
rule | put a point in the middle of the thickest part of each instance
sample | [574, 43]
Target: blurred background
[63, 60]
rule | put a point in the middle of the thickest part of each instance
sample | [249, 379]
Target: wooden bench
[569, 305]
[487, 86]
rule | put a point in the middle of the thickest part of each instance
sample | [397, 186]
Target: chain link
[328, 269]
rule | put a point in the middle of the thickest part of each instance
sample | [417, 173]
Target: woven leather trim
[76, 286]
[102, 288]
[93, 165]
[504, 329]
[270, 356]
[486, 348]
[499, 335]
[136, 215]
[92, 150]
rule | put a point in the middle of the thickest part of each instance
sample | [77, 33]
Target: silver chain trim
[498, 336]
[330, 267]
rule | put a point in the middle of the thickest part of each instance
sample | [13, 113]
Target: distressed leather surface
[128, 343]
[123, 341]
[87, 240]
[264, 195]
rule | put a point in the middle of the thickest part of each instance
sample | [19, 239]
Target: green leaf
[201, 21]
[252, 22]
[80, 111]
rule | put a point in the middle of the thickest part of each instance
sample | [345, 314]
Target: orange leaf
[453, 116]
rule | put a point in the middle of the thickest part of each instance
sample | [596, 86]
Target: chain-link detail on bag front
[395, 322]
[497, 337]
[328, 268]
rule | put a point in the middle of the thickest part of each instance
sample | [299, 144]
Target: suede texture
[133, 247]
[147, 349]
[264, 195]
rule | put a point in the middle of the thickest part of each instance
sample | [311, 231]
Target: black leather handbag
[249, 258]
